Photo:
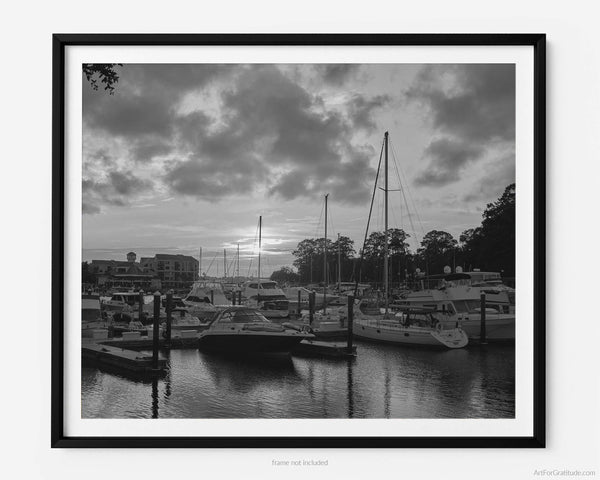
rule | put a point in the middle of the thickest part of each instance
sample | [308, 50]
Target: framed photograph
[298, 240]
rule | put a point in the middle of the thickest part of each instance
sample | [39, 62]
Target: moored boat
[244, 330]
[410, 327]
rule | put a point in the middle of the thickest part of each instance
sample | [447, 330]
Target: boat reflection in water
[383, 381]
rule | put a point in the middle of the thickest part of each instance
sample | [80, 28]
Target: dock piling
[311, 307]
[350, 322]
[212, 297]
[482, 332]
[299, 302]
[141, 305]
[155, 330]
[169, 317]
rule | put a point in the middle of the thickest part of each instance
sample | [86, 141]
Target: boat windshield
[195, 299]
[242, 316]
[263, 285]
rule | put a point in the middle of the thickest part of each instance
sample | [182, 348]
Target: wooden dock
[120, 358]
[145, 343]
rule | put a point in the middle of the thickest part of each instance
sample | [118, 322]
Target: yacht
[266, 296]
[460, 294]
[243, 330]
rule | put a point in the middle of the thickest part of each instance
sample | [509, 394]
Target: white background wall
[573, 184]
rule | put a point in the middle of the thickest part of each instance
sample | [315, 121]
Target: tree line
[489, 247]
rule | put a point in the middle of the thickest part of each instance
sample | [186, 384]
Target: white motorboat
[243, 330]
[92, 323]
[457, 294]
[204, 300]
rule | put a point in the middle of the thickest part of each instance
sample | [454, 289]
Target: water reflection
[382, 382]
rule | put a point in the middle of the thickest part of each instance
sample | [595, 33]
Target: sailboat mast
[238, 261]
[339, 265]
[224, 263]
[385, 245]
[259, 248]
[200, 264]
[325, 260]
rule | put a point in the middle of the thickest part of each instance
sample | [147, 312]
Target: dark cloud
[337, 73]
[270, 133]
[145, 98]
[117, 189]
[472, 106]
[447, 158]
[273, 136]
[146, 149]
[360, 110]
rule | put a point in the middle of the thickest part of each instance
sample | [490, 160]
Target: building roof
[168, 256]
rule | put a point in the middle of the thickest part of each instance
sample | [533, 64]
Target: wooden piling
[240, 297]
[482, 332]
[299, 302]
[155, 330]
[350, 322]
[233, 297]
[141, 305]
[311, 307]
[212, 297]
[169, 317]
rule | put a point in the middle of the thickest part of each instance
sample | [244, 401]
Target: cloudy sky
[188, 156]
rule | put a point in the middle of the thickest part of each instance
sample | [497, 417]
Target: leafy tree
[492, 246]
[374, 253]
[438, 249]
[309, 258]
[104, 73]
[87, 276]
[285, 275]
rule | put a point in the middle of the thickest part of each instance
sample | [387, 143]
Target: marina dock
[120, 358]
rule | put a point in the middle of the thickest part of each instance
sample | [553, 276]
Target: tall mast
[200, 264]
[238, 261]
[385, 245]
[259, 248]
[325, 260]
[339, 265]
[224, 263]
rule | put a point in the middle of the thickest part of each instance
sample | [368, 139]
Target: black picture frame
[61, 41]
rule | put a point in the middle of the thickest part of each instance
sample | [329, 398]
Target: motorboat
[204, 300]
[93, 325]
[458, 294]
[244, 330]
[181, 319]
[128, 303]
[417, 327]
[267, 297]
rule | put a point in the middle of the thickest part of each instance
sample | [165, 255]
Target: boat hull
[399, 335]
[249, 342]
[498, 328]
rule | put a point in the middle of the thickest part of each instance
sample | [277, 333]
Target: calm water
[382, 382]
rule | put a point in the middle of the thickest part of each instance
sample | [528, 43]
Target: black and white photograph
[298, 241]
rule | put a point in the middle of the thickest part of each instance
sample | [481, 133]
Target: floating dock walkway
[129, 360]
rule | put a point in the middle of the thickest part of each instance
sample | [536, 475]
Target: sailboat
[411, 326]
[265, 294]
